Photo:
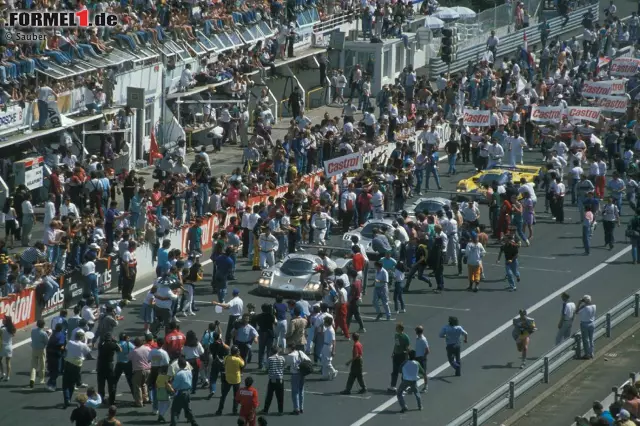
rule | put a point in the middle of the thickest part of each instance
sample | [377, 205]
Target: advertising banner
[625, 67]
[613, 103]
[477, 118]
[340, 165]
[546, 114]
[599, 89]
[20, 306]
[13, 117]
[577, 113]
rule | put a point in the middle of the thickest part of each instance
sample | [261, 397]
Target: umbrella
[433, 23]
[464, 12]
[446, 14]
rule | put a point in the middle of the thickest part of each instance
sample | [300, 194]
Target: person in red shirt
[247, 397]
[174, 341]
[56, 187]
[355, 373]
[148, 341]
[355, 297]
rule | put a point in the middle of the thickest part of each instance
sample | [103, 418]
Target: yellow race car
[476, 186]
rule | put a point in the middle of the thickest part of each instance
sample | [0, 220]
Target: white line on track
[332, 394]
[439, 307]
[528, 255]
[500, 265]
[487, 338]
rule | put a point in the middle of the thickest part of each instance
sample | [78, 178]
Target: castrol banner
[477, 118]
[613, 103]
[599, 89]
[626, 67]
[577, 113]
[21, 307]
[343, 164]
[546, 114]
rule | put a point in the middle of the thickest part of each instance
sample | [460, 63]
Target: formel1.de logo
[53, 19]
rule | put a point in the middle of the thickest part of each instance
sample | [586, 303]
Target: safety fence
[510, 43]
[506, 394]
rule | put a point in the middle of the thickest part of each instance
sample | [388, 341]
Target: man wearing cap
[268, 244]
[624, 418]
[236, 308]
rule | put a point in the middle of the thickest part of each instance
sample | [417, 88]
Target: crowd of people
[84, 220]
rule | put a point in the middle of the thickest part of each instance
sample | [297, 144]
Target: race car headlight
[264, 282]
[267, 274]
[312, 287]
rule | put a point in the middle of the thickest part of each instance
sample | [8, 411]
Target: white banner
[477, 118]
[625, 66]
[54, 119]
[577, 113]
[343, 164]
[599, 89]
[613, 103]
[546, 114]
[13, 117]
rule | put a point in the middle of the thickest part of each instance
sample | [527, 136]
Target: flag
[524, 53]
[154, 151]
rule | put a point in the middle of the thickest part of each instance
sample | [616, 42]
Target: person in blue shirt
[194, 238]
[601, 413]
[110, 218]
[123, 365]
[135, 208]
[452, 333]
[617, 190]
[163, 264]
[224, 266]
[181, 386]
[411, 373]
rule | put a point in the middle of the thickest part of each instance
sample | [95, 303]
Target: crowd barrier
[26, 306]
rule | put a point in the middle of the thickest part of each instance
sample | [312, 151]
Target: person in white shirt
[496, 153]
[587, 313]
[566, 319]
[474, 252]
[377, 202]
[268, 244]
[186, 78]
[347, 207]
[470, 213]
[164, 297]
[328, 350]
[49, 210]
[68, 208]
[319, 222]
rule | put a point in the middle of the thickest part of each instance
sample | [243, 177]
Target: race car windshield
[489, 178]
[296, 267]
[428, 206]
[367, 231]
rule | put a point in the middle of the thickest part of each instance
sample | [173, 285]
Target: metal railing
[334, 21]
[505, 395]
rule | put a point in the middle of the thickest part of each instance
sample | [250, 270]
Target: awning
[206, 43]
[256, 33]
[58, 72]
[227, 41]
[20, 138]
[178, 50]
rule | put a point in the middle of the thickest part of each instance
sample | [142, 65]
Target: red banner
[20, 306]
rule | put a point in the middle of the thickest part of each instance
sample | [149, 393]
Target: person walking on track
[452, 333]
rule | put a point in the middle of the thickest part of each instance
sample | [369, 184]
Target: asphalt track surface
[554, 263]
